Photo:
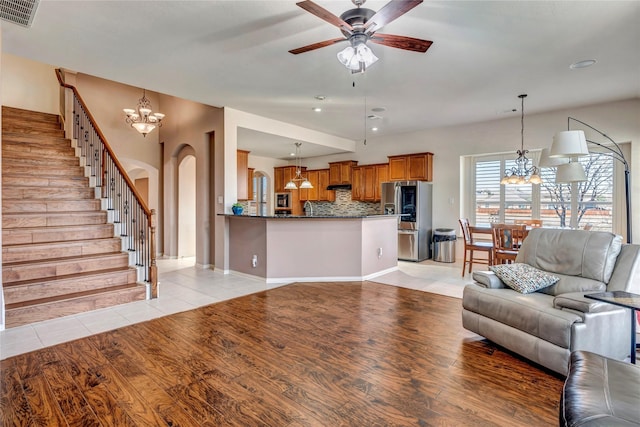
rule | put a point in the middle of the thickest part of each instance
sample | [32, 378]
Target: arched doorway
[187, 207]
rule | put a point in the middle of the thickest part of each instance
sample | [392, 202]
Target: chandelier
[524, 172]
[304, 182]
[142, 118]
[358, 56]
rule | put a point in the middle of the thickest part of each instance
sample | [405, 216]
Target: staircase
[59, 253]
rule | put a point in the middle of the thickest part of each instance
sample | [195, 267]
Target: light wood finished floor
[318, 354]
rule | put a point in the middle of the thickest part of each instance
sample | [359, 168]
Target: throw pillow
[523, 278]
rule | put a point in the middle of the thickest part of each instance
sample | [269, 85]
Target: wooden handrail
[147, 211]
[151, 268]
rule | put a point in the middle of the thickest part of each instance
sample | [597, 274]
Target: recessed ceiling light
[378, 109]
[317, 109]
[320, 97]
[582, 64]
[373, 117]
[374, 129]
[292, 154]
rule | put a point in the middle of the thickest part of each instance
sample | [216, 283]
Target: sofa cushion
[586, 254]
[531, 313]
[600, 392]
[523, 278]
[568, 284]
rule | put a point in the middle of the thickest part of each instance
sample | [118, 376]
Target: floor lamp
[573, 143]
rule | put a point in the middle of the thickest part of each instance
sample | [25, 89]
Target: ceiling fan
[359, 25]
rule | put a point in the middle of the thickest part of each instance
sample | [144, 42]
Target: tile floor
[183, 287]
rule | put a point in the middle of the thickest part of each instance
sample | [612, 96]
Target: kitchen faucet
[308, 208]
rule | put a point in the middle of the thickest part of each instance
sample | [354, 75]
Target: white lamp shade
[290, 186]
[144, 128]
[550, 162]
[569, 143]
[571, 172]
[306, 184]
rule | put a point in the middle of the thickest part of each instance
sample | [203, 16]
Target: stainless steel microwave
[283, 201]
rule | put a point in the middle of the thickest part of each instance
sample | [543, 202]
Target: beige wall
[313, 249]
[29, 85]
[191, 124]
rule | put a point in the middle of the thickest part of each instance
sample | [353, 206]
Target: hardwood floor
[317, 354]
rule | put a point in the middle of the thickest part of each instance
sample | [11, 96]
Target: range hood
[339, 187]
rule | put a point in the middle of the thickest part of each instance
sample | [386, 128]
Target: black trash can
[444, 245]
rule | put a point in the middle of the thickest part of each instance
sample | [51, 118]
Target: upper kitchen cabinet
[340, 172]
[319, 178]
[243, 175]
[367, 182]
[411, 167]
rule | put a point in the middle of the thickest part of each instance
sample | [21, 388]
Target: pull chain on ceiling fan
[358, 26]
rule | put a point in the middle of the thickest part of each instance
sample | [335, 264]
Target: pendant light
[524, 172]
[304, 182]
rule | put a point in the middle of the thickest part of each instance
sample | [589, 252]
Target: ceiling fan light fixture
[357, 58]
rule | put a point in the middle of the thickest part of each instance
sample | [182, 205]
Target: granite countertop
[308, 217]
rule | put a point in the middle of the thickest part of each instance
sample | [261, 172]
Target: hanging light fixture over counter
[143, 119]
[304, 182]
[524, 172]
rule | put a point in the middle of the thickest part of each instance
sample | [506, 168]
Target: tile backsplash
[343, 205]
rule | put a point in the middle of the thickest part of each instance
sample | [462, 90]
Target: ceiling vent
[19, 12]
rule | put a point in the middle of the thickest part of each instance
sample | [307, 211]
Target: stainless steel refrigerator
[412, 202]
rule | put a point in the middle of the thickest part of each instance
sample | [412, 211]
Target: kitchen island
[312, 248]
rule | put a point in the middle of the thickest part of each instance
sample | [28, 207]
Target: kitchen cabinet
[242, 163]
[356, 183]
[325, 195]
[282, 175]
[382, 175]
[340, 172]
[409, 167]
[310, 194]
[319, 178]
[366, 182]
[250, 187]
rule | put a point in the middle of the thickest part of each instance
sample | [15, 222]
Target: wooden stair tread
[36, 138]
[58, 213]
[56, 228]
[69, 297]
[62, 259]
[74, 242]
[66, 277]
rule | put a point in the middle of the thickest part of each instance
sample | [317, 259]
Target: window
[592, 200]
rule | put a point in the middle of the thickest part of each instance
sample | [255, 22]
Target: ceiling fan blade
[389, 12]
[323, 13]
[317, 45]
[401, 42]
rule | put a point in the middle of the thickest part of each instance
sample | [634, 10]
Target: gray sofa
[547, 325]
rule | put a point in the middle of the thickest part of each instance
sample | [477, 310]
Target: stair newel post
[153, 268]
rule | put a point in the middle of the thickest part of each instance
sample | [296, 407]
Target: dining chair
[507, 239]
[471, 246]
[530, 222]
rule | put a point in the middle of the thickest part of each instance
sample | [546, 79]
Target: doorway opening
[187, 207]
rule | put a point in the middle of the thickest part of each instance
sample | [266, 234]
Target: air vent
[19, 12]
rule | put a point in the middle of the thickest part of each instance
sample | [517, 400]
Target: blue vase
[237, 210]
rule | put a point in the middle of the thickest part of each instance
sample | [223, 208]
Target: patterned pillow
[523, 278]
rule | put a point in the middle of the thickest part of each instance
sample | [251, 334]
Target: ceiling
[235, 54]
